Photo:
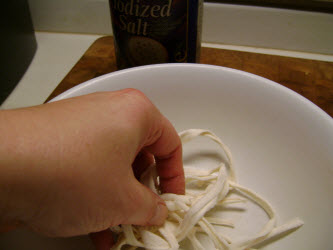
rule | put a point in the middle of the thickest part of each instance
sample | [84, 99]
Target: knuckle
[135, 93]
[141, 107]
[138, 96]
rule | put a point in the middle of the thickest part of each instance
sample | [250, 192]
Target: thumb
[147, 207]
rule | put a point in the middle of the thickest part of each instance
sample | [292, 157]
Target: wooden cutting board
[311, 78]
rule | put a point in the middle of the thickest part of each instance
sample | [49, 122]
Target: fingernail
[161, 213]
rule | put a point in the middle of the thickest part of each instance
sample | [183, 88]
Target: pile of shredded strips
[187, 213]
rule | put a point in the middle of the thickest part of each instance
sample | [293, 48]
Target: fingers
[160, 138]
[102, 240]
[147, 207]
[142, 161]
[167, 150]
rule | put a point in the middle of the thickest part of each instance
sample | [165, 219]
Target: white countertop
[56, 54]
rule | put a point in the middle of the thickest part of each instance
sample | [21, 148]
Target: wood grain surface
[311, 78]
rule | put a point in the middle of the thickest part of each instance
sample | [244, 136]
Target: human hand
[66, 167]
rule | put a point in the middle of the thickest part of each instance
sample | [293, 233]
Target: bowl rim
[309, 104]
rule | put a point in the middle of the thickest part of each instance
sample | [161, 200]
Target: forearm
[18, 178]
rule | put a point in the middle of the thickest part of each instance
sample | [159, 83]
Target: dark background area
[17, 45]
[310, 5]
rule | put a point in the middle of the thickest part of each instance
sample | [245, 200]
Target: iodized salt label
[156, 31]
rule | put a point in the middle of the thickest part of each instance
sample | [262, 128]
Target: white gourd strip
[195, 242]
[191, 218]
[268, 209]
[169, 237]
[153, 241]
[218, 241]
[187, 212]
[185, 226]
[200, 178]
[231, 201]
[200, 172]
[192, 133]
[285, 228]
[255, 197]
[220, 222]
[129, 235]
[176, 217]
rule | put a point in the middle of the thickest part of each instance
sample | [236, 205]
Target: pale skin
[69, 167]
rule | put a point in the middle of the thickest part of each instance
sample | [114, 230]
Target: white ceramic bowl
[282, 143]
